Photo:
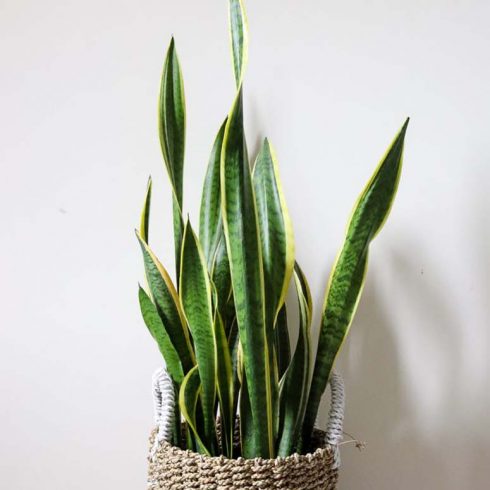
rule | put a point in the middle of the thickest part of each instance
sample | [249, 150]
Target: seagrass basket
[172, 468]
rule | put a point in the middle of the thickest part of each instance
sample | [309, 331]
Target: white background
[329, 83]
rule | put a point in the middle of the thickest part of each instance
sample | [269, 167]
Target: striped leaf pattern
[294, 390]
[158, 332]
[168, 305]
[225, 386]
[196, 298]
[347, 277]
[210, 225]
[243, 245]
[276, 231]
[189, 394]
[171, 129]
[244, 252]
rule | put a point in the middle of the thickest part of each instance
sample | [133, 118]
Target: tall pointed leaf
[188, 399]
[210, 227]
[347, 277]
[225, 387]
[239, 38]
[244, 253]
[155, 326]
[243, 245]
[196, 298]
[168, 305]
[211, 233]
[276, 231]
[145, 214]
[172, 137]
[294, 391]
[277, 245]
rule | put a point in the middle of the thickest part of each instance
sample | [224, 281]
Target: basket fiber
[172, 468]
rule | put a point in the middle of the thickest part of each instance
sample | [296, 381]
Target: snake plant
[222, 324]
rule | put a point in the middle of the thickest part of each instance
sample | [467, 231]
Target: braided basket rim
[323, 450]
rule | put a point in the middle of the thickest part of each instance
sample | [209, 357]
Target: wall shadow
[414, 434]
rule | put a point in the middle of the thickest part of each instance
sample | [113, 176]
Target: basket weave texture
[177, 469]
[172, 468]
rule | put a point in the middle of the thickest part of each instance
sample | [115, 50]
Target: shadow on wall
[405, 386]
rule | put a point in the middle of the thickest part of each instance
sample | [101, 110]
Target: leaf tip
[139, 237]
[405, 126]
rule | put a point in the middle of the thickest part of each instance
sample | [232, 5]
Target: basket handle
[335, 424]
[164, 402]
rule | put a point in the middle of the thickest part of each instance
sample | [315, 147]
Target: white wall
[329, 83]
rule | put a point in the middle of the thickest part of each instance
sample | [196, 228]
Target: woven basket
[172, 468]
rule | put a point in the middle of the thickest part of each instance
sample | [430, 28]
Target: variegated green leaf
[243, 245]
[155, 326]
[210, 227]
[225, 387]
[294, 390]
[172, 137]
[220, 273]
[276, 231]
[347, 277]
[168, 305]
[244, 253]
[277, 245]
[188, 398]
[282, 342]
[249, 450]
[239, 38]
[145, 215]
[196, 297]
[233, 344]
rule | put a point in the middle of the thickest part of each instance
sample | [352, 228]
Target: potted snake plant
[236, 403]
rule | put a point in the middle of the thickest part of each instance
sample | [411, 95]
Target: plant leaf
[294, 390]
[220, 272]
[171, 130]
[225, 387]
[145, 214]
[277, 246]
[347, 277]
[188, 398]
[282, 341]
[155, 326]
[239, 38]
[276, 232]
[168, 305]
[210, 227]
[196, 298]
[243, 246]
[244, 254]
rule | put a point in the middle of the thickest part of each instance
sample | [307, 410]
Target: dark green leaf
[172, 137]
[210, 227]
[243, 246]
[145, 215]
[188, 399]
[283, 345]
[294, 390]
[196, 298]
[168, 305]
[155, 326]
[347, 277]
[276, 232]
